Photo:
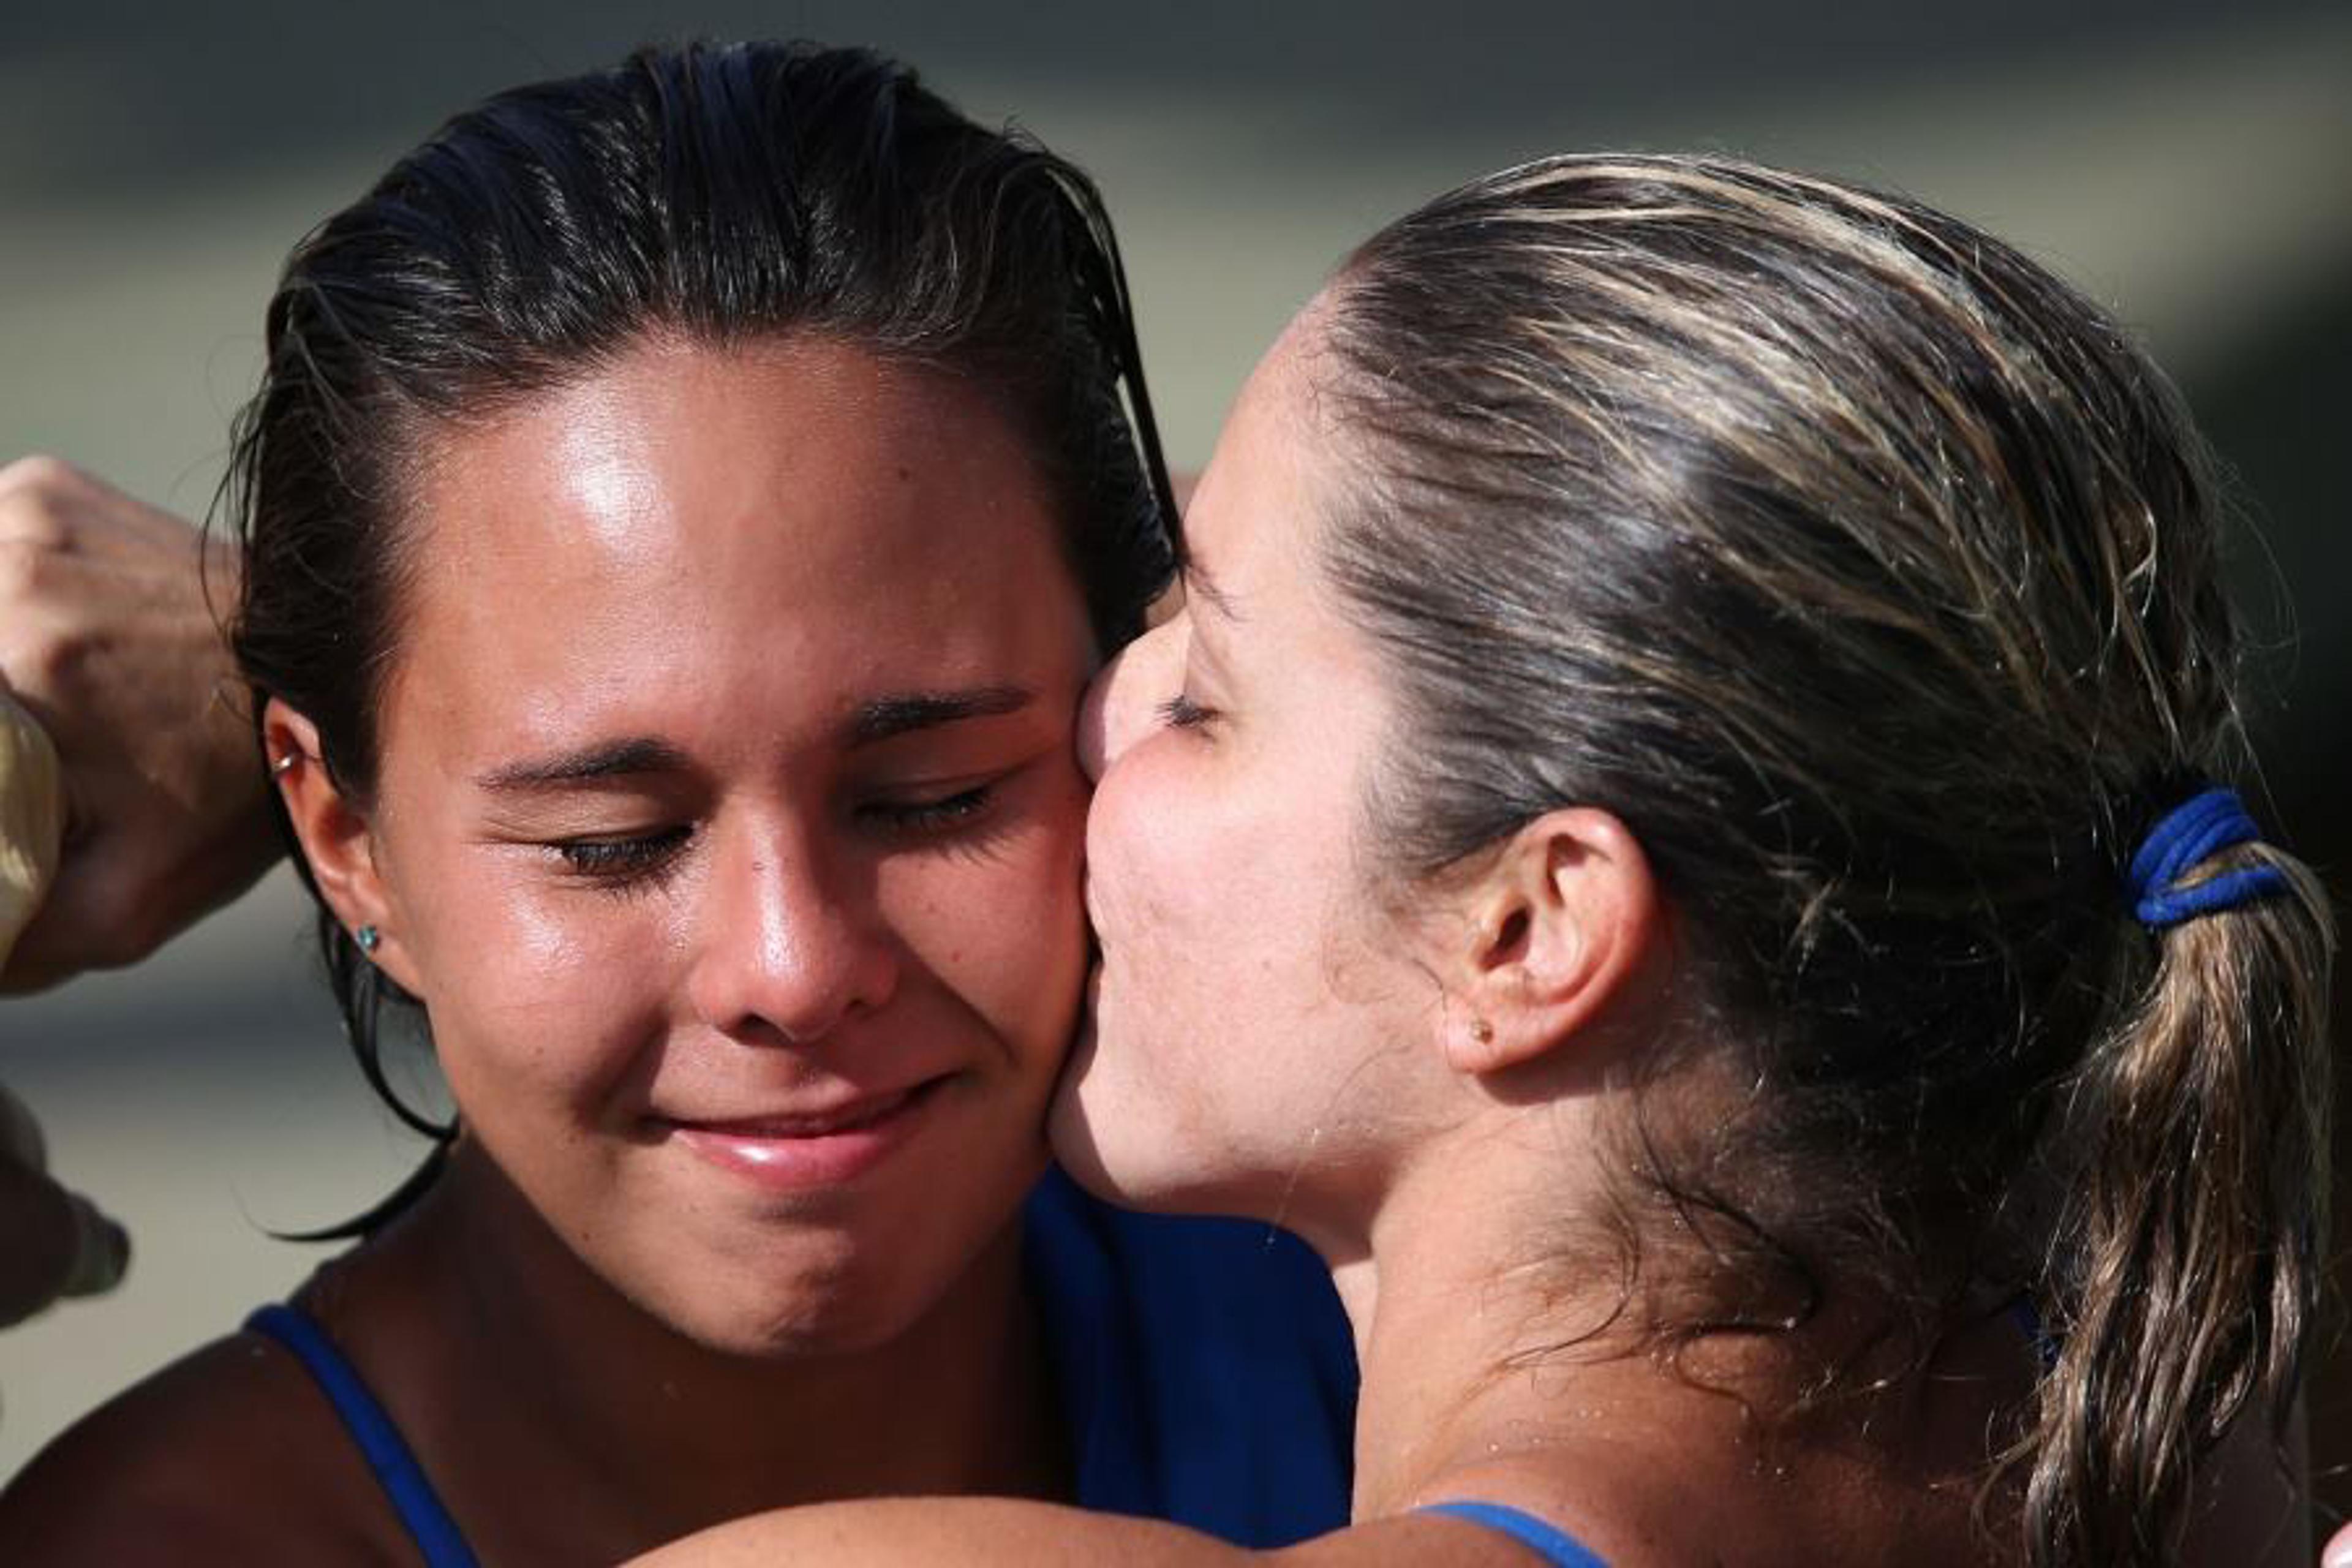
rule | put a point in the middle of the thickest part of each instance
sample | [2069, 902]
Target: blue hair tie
[2187, 838]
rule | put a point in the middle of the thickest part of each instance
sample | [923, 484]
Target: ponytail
[1749, 506]
[2186, 1266]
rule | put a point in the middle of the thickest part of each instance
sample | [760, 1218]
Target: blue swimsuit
[1203, 1367]
[397, 1469]
[1555, 1545]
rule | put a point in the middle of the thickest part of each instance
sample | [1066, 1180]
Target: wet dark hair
[717, 194]
[1869, 576]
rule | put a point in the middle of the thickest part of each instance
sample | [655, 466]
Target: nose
[1122, 703]
[788, 948]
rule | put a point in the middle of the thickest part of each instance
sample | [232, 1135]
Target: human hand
[106, 638]
[2338, 1553]
[53, 1242]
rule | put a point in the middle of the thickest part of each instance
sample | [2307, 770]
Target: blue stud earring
[369, 939]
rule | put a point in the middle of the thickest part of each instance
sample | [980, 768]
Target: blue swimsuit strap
[1558, 1547]
[397, 1469]
[1564, 1551]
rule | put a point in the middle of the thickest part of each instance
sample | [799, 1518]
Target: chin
[1113, 1131]
[1078, 1132]
[805, 1290]
[1070, 1131]
[1120, 1156]
[759, 1320]
[808, 1316]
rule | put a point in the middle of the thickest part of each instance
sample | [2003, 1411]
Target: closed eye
[1181, 712]
[621, 863]
[945, 813]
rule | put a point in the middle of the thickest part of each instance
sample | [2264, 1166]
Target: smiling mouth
[850, 1118]
[799, 1149]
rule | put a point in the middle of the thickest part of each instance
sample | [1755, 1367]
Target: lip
[796, 1151]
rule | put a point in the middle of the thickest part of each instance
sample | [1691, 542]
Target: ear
[336, 836]
[1562, 921]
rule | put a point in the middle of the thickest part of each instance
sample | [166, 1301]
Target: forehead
[1263, 506]
[616, 469]
[689, 517]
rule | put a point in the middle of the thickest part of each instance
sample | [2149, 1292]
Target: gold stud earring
[1482, 1031]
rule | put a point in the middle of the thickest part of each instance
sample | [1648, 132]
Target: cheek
[1160, 1106]
[1001, 925]
[1225, 943]
[541, 997]
[1178, 980]
[1161, 861]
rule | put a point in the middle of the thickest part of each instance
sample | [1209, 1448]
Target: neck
[1492, 1367]
[558, 1385]
[1448, 1309]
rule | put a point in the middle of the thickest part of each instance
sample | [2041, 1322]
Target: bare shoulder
[980, 1532]
[229, 1455]
[994, 1532]
[1636, 1501]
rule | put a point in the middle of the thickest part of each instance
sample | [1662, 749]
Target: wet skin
[727, 827]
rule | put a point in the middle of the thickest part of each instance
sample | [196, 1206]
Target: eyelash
[1181, 712]
[916, 818]
[620, 864]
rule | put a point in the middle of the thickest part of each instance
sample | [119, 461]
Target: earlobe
[335, 836]
[1470, 1044]
[1563, 919]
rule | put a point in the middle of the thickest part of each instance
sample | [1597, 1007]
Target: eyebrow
[615, 759]
[1198, 581]
[899, 713]
[904, 712]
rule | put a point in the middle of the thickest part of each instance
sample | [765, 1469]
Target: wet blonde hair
[1869, 573]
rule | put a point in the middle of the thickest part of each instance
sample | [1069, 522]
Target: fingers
[31, 490]
[53, 1242]
[32, 820]
[58, 509]
[110, 637]
[100, 914]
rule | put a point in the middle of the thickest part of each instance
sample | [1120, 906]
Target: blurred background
[2189, 165]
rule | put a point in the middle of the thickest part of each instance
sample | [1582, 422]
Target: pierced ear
[335, 836]
[1562, 919]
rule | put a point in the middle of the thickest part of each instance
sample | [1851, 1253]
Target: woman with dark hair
[682, 510]
[1683, 840]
